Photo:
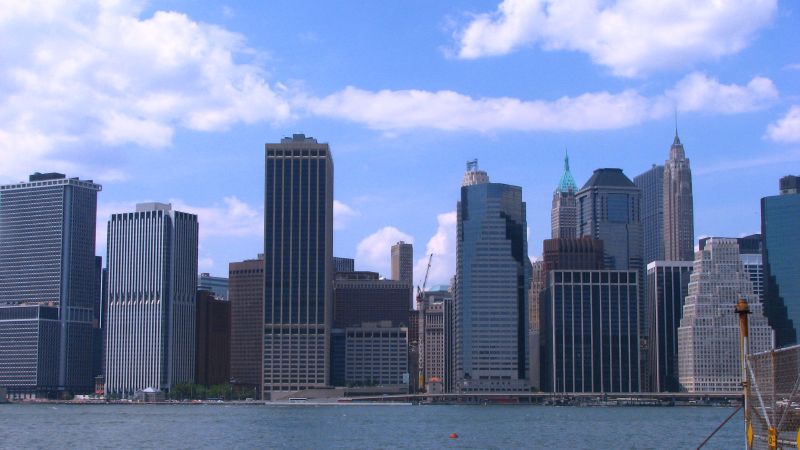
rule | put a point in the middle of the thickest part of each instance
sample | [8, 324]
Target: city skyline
[401, 134]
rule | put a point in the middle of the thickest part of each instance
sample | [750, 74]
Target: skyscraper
[435, 339]
[609, 210]
[47, 258]
[343, 264]
[780, 216]
[564, 215]
[298, 270]
[590, 331]
[678, 205]
[403, 266]
[667, 287]
[651, 184]
[246, 291]
[212, 339]
[492, 282]
[152, 285]
[708, 337]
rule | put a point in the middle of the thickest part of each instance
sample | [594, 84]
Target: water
[363, 426]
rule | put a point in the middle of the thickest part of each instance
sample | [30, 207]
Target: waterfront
[362, 426]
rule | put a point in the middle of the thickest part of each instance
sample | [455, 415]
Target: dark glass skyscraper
[246, 291]
[47, 257]
[298, 269]
[780, 228]
[492, 282]
[651, 183]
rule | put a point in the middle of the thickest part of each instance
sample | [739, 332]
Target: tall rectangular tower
[246, 292]
[780, 215]
[492, 281]
[651, 184]
[678, 205]
[298, 270]
[47, 257]
[152, 284]
[403, 262]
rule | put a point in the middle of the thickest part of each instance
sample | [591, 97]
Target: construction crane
[421, 290]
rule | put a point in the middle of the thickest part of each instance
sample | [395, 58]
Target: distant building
[403, 262]
[585, 253]
[534, 325]
[667, 287]
[359, 298]
[298, 264]
[492, 282]
[564, 214]
[217, 285]
[152, 284]
[678, 205]
[750, 253]
[246, 292]
[780, 216]
[376, 354]
[98, 321]
[343, 264]
[435, 337]
[708, 337]
[651, 183]
[213, 340]
[47, 257]
[590, 330]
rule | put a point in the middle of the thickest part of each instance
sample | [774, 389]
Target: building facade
[298, 270]
[564, 214]
[492, 282]
[780, 215]
[435, 339]
[47, 257]
[217, 285]
[651, 183]
[152, 285]
[590, 331]
[213, 340]
[678, 205]
[667, 288]
[376, 354]
[708, 337]
[343, 264]
[246, 292]
[402, 264]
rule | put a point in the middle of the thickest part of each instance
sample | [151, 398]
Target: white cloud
[443, 246]
[396, 111]
[105, 75]
[375, 250]
[787, 128]
[628, 36]
[342, 213]
[729, 165]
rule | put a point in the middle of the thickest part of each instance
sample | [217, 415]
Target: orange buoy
[453, 435]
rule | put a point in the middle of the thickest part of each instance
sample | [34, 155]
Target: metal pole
[742, 309]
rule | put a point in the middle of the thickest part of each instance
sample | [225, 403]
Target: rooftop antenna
[472, 165]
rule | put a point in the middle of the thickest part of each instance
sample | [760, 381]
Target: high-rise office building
[590, 331]
[152, 284]
[708, 336]
[651, 183]
[435, 339]
[403, 262]
[780, 216]
[667, 287]
[492, 282]
[212, 339]
[678, 205]
[609, 210]
[216, 285]
[246, 292]
[534, 325]
[343, 264]
[298, 269]
[98, 326]
[376, 354]
[47, 258]
[564, 214]
[750, 253]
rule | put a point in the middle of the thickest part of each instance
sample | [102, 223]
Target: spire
[677, 140]
[566, 183]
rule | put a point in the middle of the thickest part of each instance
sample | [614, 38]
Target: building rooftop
[567, 182]
[153, 206]
[608, 177]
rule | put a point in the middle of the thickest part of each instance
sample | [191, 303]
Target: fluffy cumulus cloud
[628, 36]
[374, 252]
[443, 247]
[401, 110]
[105, 75]
[342, 214]
[787, 128]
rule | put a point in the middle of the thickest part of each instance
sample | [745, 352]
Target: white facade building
[152, 281]
[708, 337]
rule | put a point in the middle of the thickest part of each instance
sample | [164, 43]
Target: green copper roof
[567, 182]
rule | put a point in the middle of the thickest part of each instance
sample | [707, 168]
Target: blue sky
[174, 100]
